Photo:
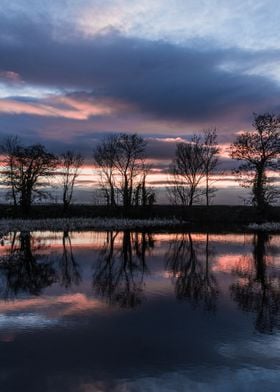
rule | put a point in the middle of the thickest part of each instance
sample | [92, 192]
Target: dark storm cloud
[160, 79]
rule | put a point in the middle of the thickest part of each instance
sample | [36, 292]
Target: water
[139, 312]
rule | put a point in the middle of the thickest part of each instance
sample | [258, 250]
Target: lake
[126, 311]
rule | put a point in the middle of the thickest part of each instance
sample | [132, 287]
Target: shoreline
[167, 218]
[122, 224]
[83, 224]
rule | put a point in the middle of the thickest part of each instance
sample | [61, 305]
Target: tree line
[123, 168]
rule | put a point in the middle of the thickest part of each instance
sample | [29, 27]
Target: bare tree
[9, 148]
[129, 163]
[259, 150]
[27, 171]
[188, 171]
[193, 165]
[143, 195]
[121, 160]
[105, 157]
[211, 161]
[71, 163]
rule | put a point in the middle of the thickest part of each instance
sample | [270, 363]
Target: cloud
[227, 22]
[9, 77]
[68, 107]
[160, 79]
[251, 24]
[76, 86]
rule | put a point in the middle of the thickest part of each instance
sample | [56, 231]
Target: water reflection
[97, 311]
[188, 263]
[258, 288]
[69, 269]
[121, 267]
[24, 269]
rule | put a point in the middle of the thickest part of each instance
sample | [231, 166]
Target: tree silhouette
[122, 168]
[26, 172]
[194, 163]
[71, 163]
[259, 150]
[211, 161]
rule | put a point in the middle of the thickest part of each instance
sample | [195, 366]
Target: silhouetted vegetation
[193, 165]
[260, 151]
[123, 171]
[71, 163]
[26, 172]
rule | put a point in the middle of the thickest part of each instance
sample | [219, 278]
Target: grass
[79, 224]
[212, 218]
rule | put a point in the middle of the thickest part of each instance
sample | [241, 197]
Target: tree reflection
[69, 268]
[23, 269]
[121, 266]
[188, 263]
[258, 287]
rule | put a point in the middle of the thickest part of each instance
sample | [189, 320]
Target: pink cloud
[62, 106]
[10, 76]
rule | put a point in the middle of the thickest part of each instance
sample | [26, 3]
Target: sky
[74, 71]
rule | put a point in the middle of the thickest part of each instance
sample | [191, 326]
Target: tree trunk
[25, 201]
[192, 190]
[207, 190]
[65, 200]
[112, 196]
[126, 199]
[258, 188]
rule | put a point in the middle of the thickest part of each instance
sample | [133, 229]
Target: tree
[188, 170]
[105, 156]
[195, 163]
[71, 163]
[211, 161]
[259, 150]
[26, 171]
[9, 149]
[129, 163]
[142, 195]
[121, 161]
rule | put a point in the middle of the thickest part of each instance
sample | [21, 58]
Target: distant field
[196, 217]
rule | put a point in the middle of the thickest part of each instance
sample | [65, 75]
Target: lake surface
[97, 311]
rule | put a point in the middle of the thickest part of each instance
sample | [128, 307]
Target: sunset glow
[97, 69]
